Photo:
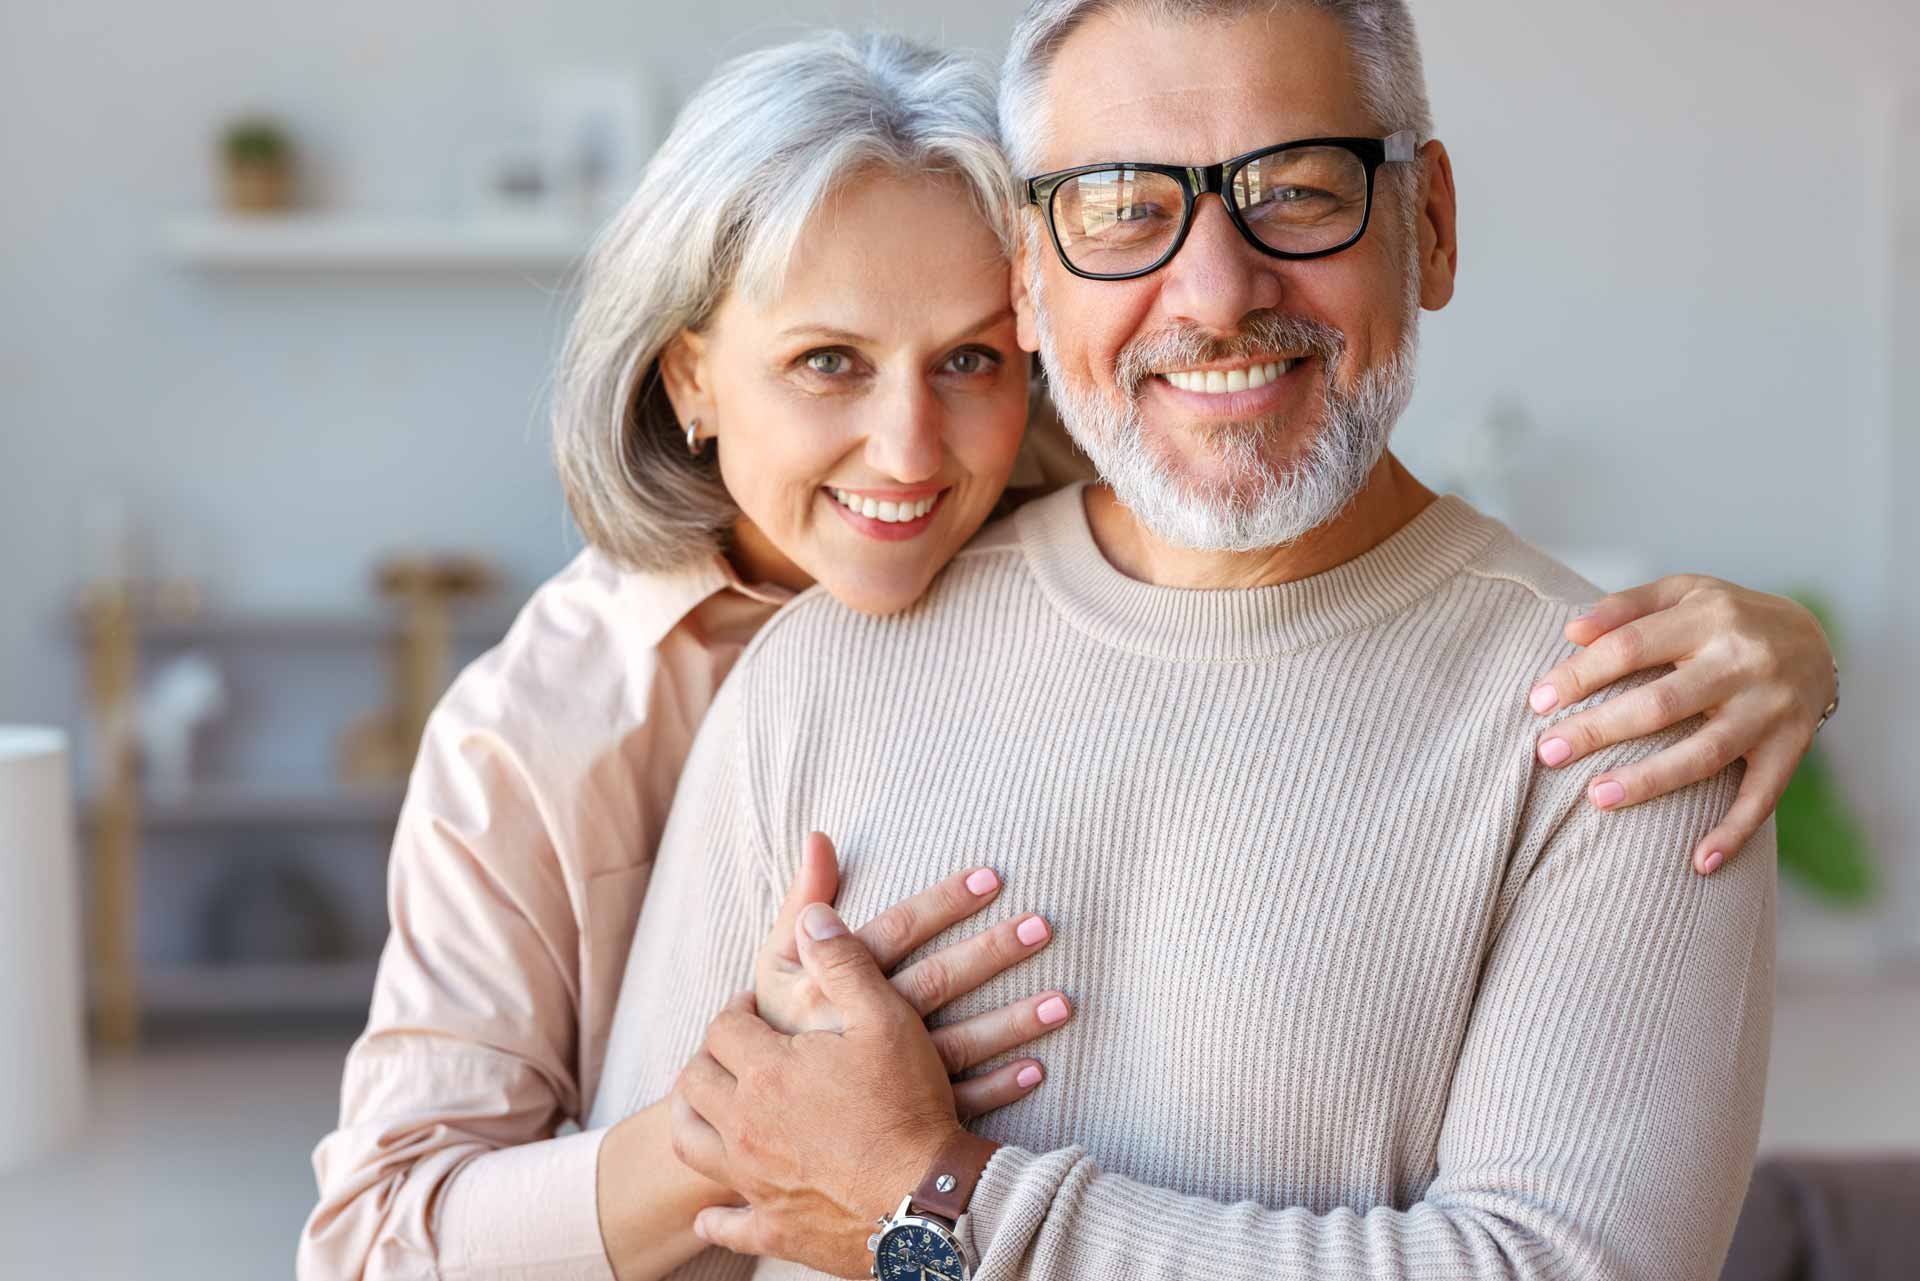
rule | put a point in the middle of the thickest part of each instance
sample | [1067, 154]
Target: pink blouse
[523, 850]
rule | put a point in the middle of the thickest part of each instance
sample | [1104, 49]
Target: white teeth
[1213, 382]
[894, 513]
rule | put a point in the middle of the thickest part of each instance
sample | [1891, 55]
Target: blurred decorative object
[502, 179]
[1822, 845]
[185, 694]
[258, 156]
[43, 1068]
[272, 911]
[1487, 471]
[595, 132]
[382, 744]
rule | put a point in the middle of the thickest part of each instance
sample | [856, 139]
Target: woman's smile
[890, 515]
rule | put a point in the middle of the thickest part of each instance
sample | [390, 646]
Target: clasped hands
[822, 1131]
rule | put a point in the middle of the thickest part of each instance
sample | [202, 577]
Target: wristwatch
[917, 1242]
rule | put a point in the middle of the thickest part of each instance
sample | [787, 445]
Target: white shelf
[302, 987]
[229, 805]
[343, 243]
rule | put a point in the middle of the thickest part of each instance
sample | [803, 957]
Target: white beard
[1259, 503]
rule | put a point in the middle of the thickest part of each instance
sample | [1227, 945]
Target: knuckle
[892, 930]
[1628, 646]
[957, 1047]
[1665, 701]
[927, 983]
[1708, 755]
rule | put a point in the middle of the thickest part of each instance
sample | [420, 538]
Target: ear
[1026, 325]
[684, 373]
[1439, 227]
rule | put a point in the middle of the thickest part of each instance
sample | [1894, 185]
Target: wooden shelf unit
[113, 634]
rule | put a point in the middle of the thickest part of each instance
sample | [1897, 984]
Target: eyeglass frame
[1198, 180]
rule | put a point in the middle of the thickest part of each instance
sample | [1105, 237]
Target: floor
[196, 1163]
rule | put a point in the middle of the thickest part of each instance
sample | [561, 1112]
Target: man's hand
[821, 1133]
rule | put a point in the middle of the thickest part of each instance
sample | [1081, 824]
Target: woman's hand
[1758, 667]
[789, 1000]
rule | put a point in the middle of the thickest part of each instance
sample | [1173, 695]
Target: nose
[1217, 277]
[906, 441]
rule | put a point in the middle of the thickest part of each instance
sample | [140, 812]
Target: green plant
[1822, 844]
[256, 141]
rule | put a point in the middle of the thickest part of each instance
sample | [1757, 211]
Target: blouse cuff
[528, 1211]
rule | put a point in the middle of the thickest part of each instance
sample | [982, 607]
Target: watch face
[910, 1252]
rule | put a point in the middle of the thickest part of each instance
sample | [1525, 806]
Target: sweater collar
[1226, 625]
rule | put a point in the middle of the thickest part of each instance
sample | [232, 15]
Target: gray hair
[722, 206]
[1380, 32]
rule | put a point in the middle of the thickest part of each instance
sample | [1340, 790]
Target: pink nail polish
[1608, 794]
[1031, 930]
[1555, 751]
[1052, 1010]
[1544, 699]
[983, 881]
[1712, 862]
[1028, 1077]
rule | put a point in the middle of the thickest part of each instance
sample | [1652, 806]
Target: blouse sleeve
[445, 1163]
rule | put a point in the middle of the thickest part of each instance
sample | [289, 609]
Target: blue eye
[827, 362]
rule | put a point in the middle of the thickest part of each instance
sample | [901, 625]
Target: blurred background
[280, 290]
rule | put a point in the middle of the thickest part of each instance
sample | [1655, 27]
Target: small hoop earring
[693, 438]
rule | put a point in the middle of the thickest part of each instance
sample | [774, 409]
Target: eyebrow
[812, 330]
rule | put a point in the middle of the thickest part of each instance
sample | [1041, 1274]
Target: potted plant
[259, 166]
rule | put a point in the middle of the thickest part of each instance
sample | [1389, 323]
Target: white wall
[1676, 226]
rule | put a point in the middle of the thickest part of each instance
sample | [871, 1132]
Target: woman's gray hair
[1380, 32]
[722, 206]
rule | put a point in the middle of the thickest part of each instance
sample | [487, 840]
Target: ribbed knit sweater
[1361, 990]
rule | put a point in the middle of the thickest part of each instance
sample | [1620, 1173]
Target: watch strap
[948, 1185]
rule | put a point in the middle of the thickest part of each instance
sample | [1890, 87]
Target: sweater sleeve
[1603, 1112]
[445, 1162]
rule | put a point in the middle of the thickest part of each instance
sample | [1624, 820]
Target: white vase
[43, 1066]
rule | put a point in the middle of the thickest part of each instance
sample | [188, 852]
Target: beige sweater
[1361, 990]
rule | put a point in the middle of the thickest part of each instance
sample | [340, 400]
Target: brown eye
[972, 361]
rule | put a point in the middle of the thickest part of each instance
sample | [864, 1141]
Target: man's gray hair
[1380, 32]
[722, 206]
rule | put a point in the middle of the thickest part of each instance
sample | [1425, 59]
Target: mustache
[1261, 332]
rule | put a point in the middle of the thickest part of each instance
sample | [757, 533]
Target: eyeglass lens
[1303, 200]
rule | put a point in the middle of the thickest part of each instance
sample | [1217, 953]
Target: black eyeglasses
[1306, 199]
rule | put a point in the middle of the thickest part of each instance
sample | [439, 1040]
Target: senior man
[1362, 990]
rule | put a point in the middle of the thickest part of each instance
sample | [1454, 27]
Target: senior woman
[794, 363]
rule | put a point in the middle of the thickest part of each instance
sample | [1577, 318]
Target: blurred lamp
[42, 1006]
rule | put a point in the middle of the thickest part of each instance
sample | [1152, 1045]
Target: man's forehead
[1127, 86]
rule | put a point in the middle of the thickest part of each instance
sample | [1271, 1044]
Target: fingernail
[1608, 794]
[1031, 930]
[699, 1227]
[1555, 751]
[982, 881]
[822, 922]
[1586, 611]
[1544, 698]
[1028, 1077]
[1712, 863]
[1052, 1010]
